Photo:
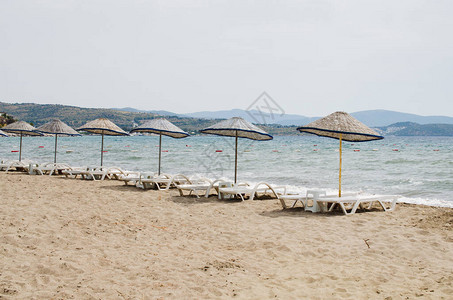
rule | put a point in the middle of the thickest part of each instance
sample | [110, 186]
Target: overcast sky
[311, 57]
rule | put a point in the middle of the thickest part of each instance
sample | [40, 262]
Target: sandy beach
[73, 239]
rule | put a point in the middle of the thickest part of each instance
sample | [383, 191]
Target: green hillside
[38, 114]
[415, 129]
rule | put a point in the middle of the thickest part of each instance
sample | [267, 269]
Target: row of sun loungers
[311, 200]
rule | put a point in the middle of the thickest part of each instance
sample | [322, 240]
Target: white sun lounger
[199, 187]
[75, 171]
[18, 165]
[48, 168]
[4, 165]
[163, 181]
[243, 190]
[118, 173]
[134, 177]
[101, 173]
[350, 204]
[296, 197]
[307, 199]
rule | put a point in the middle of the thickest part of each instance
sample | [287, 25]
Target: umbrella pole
[55, 157]
[102, 149]
[20, 147]
[160, 151]
[339, 178]
[236, 159]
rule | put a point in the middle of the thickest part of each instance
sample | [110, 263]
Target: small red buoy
[187, 145]
[218, 151]
[436, 150]
[315, 145]
[14, 150]
[396, 150]
[315, 149]
[356, 150]
[274, 150]
[41, 147]
[164, 150]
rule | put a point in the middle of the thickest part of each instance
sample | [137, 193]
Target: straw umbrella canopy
[161, 126]
[103, 127]
[342, 126]
[238, 128]
[3, 133]
[21, 128]
[57, 127]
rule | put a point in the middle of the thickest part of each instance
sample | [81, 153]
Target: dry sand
[73, 239]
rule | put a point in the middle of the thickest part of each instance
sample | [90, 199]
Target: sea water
[420, 169]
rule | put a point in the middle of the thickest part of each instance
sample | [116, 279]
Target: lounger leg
[284, 204]
[332, 206]
[391, 207]
[354, 208]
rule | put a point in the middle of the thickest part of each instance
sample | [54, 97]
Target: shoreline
[65, 238]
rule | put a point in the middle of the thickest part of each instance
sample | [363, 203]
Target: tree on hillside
[6, 119]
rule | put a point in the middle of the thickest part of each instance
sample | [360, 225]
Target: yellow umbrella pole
[20, 149]
[160, 151]
[102, 149]
[339, 178]
[236, 159]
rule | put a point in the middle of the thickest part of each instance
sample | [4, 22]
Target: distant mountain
[375, 118]
[156, 112]
[254, 116]
[372, 118]
[415, 129]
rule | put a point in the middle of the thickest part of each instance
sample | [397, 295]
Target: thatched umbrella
[57, 127]
[104, 127]
[21, 128]
[3, 133]
[340, 125]
[238, 128]
[161, 126]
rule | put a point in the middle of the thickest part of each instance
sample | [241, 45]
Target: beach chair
[243, 190]
[133, 178]
[163, 181]
[198, 187]
[350, 204]
[76, 171]
[21, 166]
[102, 173]
[4, 165]
[118, 173]
[308, 199]
[47, 168]
[295, 197]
